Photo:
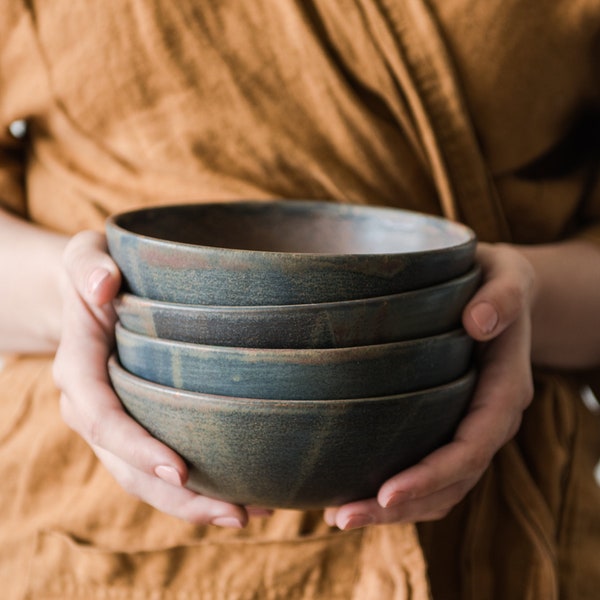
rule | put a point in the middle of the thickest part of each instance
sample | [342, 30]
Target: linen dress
[485, 112]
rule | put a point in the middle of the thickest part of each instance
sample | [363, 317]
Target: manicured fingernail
[168, 474]
[96, 278]
[227, 522]
[356, 521]
[329, 519]
[485, 317]
[395, 499]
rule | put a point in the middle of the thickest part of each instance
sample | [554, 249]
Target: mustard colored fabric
[458, 107]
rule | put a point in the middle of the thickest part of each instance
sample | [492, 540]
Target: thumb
[90, 269]
[505, 294]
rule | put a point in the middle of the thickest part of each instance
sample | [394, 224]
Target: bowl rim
[468, 234]
[182, 398]
[458, 334]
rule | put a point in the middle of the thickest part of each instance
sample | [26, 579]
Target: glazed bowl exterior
[283, 252]
[297, 374]
[418, 313]
[294, 454]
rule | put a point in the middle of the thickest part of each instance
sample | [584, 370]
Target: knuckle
[437, 515]
[136, 456]
[514, 428]
[58, 375]
[66, 411]
[94, 431]
[60, 367]
[70, 415]
[80, 251]
[443, 512]
[528, 391]
[127, 479]
[515, 297]
[477, 461]
[72, 250]
[462, 489]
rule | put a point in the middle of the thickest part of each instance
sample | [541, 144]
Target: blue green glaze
[301, 374]
[413, 314]
[294, 454]
[283, 252]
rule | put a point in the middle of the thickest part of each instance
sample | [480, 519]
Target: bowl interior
[294, 226]
[283, 252]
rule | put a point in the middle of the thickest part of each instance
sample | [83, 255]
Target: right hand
[142, 465]
[499, 318]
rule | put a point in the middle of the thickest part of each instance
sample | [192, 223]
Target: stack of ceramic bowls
[295, 353]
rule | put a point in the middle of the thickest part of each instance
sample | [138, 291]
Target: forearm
[30, 271]
[566, 308]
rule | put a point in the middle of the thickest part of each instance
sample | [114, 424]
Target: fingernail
[395, 499]
[356, 521]
[329, 519]
[96, 278]
[227, 522]
[485, 317]
[168, 474]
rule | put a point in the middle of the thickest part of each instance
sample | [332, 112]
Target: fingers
[88, 403]
[173, 499]
[506, 292]
[432, 487]
[499, 314]
[142, 465]
[93, 273]
[503, 392]
[103, 424]
[370, 512]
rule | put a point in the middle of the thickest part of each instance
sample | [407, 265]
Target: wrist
[565, 304]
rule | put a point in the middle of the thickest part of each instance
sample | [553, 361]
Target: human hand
[498, 316]
[142, 465]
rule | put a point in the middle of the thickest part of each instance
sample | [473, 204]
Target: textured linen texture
[459, 107]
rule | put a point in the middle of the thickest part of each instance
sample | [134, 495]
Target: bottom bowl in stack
[294, 453]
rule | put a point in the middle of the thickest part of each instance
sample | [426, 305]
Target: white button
[18, 129]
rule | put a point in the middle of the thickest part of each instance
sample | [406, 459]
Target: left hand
[142, 465]
[498, 316]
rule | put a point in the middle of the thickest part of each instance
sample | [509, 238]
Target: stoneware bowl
[294, 454]
[297, 374]
[283, 252]
[418, 313]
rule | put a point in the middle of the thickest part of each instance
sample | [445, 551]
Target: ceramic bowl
[382, 319]
[283, 252]
[294, 454]
[297, 374]
[393, 318]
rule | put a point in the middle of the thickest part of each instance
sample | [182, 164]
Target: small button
[18, 129]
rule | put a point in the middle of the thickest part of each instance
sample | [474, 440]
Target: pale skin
[536, 305]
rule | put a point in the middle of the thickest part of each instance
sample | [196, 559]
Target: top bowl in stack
[294, 305]
[284, 252]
